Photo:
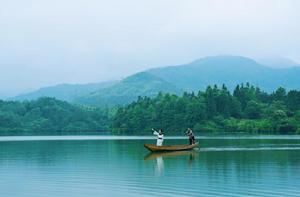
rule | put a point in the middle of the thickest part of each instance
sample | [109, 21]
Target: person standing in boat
[190, 133]
[160, 136]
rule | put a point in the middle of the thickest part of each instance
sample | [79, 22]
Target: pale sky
[48, 42]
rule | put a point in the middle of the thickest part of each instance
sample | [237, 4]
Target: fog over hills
[128, 90]
[78, 42]
[278, 62]
[230, 70]
[194, 76]
[66, 92]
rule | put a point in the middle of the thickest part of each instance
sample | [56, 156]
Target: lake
[81, 166]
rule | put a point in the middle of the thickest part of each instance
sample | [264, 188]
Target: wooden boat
[155, 148]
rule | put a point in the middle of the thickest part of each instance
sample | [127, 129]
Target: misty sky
[48, 42]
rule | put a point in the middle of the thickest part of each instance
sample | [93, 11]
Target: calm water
[93, 166]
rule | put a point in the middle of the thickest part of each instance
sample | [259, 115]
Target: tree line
[49, 116]
[247, 109]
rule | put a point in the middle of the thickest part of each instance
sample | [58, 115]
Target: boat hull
[154, 148]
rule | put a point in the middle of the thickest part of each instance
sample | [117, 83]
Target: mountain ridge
[193, 76]
[129, 89]
[64, 91]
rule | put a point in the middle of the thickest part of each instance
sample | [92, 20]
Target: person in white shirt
[160, 136]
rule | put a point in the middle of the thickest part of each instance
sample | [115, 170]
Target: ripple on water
[111, 167]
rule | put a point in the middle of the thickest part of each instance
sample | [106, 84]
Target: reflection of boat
[155, 155]
[155, 148]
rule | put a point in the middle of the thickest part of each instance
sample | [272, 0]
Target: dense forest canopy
[48, 116]
[248, 109]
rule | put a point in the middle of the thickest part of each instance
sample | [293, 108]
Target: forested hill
[194, 76]
[47, 116]
[128, 90]
[65, 92]
[229, 70]
[247, 110]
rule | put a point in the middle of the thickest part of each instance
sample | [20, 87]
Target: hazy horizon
[53, 42]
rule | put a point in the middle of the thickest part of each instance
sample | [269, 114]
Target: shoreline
[118, 137]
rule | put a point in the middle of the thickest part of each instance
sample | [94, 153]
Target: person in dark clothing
[189, 133]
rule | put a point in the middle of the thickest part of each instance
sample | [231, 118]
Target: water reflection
[118, 167]
[159, 170]
[154, 155]
[159, 158]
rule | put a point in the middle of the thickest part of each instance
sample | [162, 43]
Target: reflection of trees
[126, 157]
[245, 164]
[48, 152]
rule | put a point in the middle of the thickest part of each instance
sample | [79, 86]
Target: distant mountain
[230, 70]
[66, 92]
[278, 62]
[197, 75]
[127, 90]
